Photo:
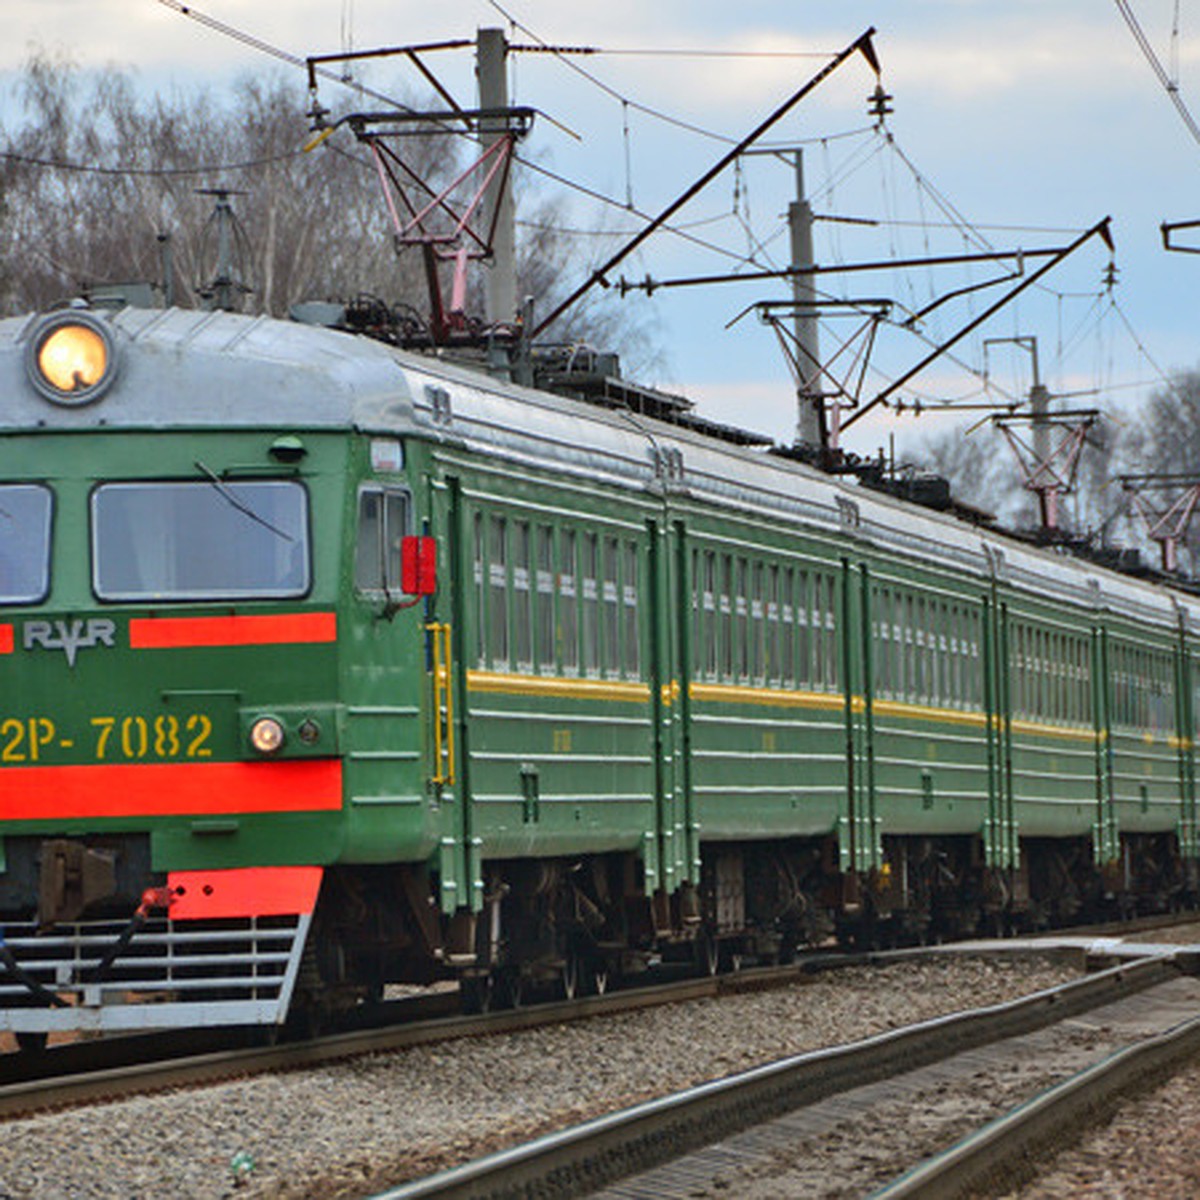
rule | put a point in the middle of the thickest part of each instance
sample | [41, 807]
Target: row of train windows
[555, 601]
[763, 623]
[926, 649]
[1142, 686]
[1050, 675]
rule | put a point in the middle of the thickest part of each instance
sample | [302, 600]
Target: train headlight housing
[71, 357]
[266, 735]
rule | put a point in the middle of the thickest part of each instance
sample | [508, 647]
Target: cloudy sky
[1031, 119]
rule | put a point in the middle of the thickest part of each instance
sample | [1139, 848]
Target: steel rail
[80, 1073]
[142, 1049]
[1005, 1152]
[37, 1085]
[138, 1078]
[586, 1157]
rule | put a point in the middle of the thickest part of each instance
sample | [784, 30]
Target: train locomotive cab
[175, 635]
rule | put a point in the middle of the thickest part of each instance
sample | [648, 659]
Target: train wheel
[32, 1043]
[477, 993]
[599, 981]
[570, 976]
[512, 990]
[708, 953]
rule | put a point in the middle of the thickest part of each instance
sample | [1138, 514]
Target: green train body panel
[676, 742]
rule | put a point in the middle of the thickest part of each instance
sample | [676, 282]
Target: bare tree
[552, 261]
[981, 471]
[1164, 439]
[95, 172]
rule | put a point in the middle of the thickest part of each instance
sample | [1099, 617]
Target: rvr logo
[70, 636]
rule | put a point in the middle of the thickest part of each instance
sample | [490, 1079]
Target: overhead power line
[607, 89]
[248, 39]
[259, 44]
[1170, 83]
[145, 172]
[683, 52]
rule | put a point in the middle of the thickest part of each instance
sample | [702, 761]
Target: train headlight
[71, 357]
[266, 735]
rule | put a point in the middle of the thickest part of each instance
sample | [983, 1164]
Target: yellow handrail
[443, 705]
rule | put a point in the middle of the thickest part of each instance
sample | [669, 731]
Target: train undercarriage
[548, 927]
[574, 925]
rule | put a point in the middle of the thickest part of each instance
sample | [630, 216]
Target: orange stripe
[6, 639]
[158, 633]
[169, 789]
[244, 892]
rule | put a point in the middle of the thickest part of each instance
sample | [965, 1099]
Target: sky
[1030, 120]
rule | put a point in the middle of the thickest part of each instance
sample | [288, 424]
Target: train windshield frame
[26, 515]
[201, 540]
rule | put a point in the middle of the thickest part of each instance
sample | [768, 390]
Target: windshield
[24, 542]
[207, 540]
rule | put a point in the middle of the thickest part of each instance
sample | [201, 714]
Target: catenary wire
[955, 219]
[284, 56]
[1169, 84]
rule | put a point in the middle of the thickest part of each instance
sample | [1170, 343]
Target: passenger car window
[203, 540]
[25, 511]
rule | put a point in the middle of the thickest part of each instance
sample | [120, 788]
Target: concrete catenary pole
[808, 389]
[491, 50]
[1039, 406]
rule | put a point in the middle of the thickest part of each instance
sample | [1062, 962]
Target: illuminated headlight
[266, 735]
[71, 357]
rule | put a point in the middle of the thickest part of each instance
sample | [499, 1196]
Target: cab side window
[382, 523]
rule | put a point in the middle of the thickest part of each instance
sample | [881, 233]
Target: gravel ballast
[1150, 1148]
[357, 1127]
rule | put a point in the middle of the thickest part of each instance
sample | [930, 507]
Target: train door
[860, 835]
[1001, 839]
[1106, 838]
[447, 728]
[1185, 728]
[672, 852]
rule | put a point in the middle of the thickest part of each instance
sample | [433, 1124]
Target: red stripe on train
[243, 892]
[6, 639]
[160, 633]
[169, 789]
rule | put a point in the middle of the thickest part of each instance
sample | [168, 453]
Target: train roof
[180, 368]
[187, 369]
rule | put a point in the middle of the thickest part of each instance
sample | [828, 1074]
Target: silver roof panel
[179, 368]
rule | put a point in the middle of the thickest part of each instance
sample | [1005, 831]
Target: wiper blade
[243, 508]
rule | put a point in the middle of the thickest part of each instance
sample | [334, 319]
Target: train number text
[112, 739]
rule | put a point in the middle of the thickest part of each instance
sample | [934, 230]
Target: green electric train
[326, 666]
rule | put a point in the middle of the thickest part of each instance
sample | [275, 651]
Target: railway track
[130, 1050]
[788, 1106]
[110, 1068]
[88, 1071]
[1007, 1151]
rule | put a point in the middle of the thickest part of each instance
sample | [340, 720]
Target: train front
[169, 779]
